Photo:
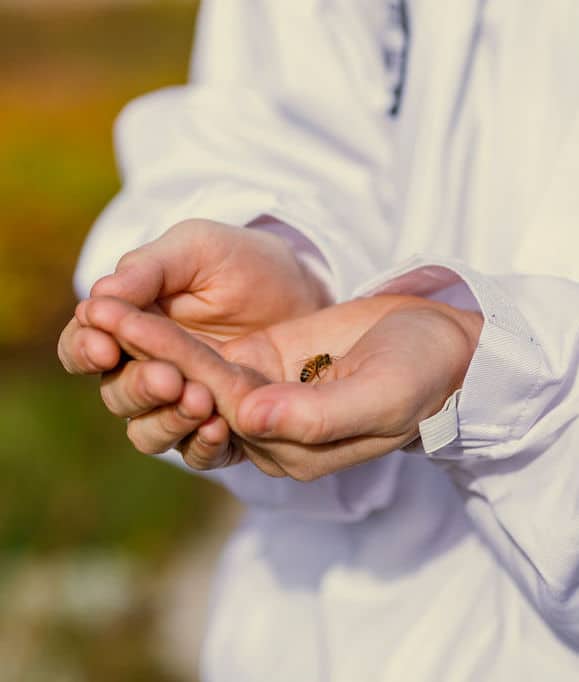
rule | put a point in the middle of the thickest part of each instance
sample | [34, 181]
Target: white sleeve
[510, 437]
[257, 131]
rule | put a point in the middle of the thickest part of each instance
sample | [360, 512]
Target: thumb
[138, 280]
[160, 268]
[321, 413]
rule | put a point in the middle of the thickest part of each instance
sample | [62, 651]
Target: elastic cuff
[240, 205]
[492, 409]
[441, 429]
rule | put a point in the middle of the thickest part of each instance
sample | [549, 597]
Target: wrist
[467, 327]
[451, 336]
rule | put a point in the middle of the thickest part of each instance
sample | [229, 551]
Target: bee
[314, 366]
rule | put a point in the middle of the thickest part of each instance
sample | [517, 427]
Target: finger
[213, 431]
[141, 386]
[262, 460]
[138, 279]
[210, 447]
[157, 269]
[161, 429]
[84, 350]
[310, 462]
[105, 314]
[152, 336]
[356, 405]
[148, 335]
[213, 446]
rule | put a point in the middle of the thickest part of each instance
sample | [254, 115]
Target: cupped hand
[208, 277]
[398, 359]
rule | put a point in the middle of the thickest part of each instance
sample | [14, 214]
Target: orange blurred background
[105, 554]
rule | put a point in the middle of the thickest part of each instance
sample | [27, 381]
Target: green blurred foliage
[65, 74]
[77, 482]
[71, 484]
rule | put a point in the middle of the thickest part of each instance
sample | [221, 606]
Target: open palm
[399, 359]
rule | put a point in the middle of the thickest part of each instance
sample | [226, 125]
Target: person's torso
[485, 146]
[408, 594]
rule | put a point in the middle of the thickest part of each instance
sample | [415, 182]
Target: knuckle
[317, 427]
[108, 399]
[132, 383]
[271, 470]
[274, 473]
[191, 461]
[302, 473]
[245, 350]
[156, 382]
[95, 290]
[119, 391]
[95, 310]
[230, 454]
[140, 441]
[190, 410]
[240, 383]
[200, 226]
[298, 464]
[173, 427]
[196, 402]
[195, 458]
[129, 324]
[129, 258]
[231, 350]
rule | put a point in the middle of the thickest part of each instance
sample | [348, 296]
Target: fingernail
[265, 417]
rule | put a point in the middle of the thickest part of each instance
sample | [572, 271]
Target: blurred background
[105, 555]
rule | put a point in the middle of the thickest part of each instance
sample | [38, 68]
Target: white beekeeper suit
[380, 130]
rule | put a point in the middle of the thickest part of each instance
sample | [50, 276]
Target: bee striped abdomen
[308, 373]
[313, 366]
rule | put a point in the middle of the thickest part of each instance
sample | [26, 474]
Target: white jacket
[396, 570]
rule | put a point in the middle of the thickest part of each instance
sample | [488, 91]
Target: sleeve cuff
[246, 208]
[305, 250]
[239, 204]
[441, 429]
[494, 407]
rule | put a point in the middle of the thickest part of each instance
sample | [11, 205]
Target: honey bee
[314, 366]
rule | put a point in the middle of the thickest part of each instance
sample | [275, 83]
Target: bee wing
[303, 361]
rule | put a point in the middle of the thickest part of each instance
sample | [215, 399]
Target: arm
[251, 137]
[327, 428]
[257, 132]
[514, 423]
[509, 439]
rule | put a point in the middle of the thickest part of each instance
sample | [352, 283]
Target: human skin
[211, 278]
[399, 358]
